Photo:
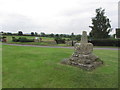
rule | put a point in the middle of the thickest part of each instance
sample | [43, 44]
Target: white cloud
[53, 16]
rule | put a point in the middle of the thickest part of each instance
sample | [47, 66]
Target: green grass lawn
[35, 67]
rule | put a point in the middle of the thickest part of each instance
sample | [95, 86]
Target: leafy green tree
[72, 38]
[61, 35]
[72, 34]
[32, 33]
[9, 33]
[100, 25]
[42, 34]
[51, 35]
[36, 33]
[57, 35]
[20, 33]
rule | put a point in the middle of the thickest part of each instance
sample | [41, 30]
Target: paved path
[56, 46]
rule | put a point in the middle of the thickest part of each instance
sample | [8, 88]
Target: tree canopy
[32, 33]
[20, 33]
[100, 25]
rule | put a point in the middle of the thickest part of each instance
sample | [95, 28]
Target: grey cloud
[15, 22]
[75, 25]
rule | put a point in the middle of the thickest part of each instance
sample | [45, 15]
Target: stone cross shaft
[84, 37]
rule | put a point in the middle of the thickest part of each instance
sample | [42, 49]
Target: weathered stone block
[83, 56]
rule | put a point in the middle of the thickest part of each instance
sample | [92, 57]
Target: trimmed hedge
[106, 42]
[22, 39]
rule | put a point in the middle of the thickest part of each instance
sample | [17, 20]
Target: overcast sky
[54, 16]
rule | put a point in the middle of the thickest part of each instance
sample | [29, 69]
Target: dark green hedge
[106, 42]
[22, 39]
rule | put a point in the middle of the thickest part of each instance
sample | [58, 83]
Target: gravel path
[56, 46]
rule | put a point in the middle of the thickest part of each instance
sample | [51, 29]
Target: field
[35, 67]
[9, 38]
[46, 41]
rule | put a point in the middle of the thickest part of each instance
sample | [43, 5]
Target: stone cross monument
[83, 56]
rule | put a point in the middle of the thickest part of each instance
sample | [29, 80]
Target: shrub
[59, 40]
[14, 39]
[3, 37]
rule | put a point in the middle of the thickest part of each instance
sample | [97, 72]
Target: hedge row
[104, 42]
[22, 39]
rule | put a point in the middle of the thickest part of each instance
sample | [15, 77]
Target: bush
[59, 40]
[15, 40]
[22, 39]
[106, 42]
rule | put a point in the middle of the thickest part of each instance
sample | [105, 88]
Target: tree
[72, 37]
[42, 34]
[36, 33]
[51, 35]
[32, 33]
[61, 35]
[56, 35]
[20, 33]
[9, 33]
[101, 25]
[2, 32]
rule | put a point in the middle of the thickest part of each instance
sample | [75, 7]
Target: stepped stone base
[83, 57]
[86, 65]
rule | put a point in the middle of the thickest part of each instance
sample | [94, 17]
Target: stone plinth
[83, 56]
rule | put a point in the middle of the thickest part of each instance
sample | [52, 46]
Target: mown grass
[35, 67]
